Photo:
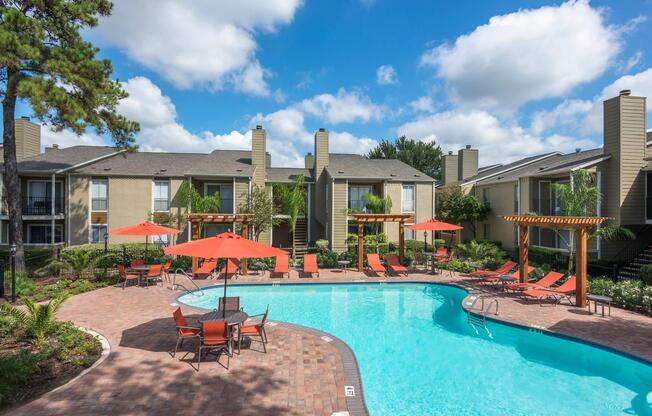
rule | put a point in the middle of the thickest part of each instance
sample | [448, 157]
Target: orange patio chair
[394, 265]
[310, 264]
[229, 303]
[184, 331]
[505, 268]
[374, 264]
[154, 273]
[206, 270]
[281, 265]
[255, 329]
[127, 277]
[446, 260]
[495, 278]
[234, 268]
[545, 282]
[215, 336]
[166, 269]
[136, 263]
[565, 290]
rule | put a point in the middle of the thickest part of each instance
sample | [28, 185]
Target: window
[98, 195]
[42, 233]
[39, 198]
[225, 191]
[648, 196]
[356, 197]
[557, 209]
[409, 234]
[408, 200]
[485, 195]
[516, 196]
[161, 195]
[97, 233]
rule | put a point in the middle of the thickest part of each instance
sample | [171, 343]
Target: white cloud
[146, 103]
[344, 142]
[422, 105]
[640, 84]
[67, 138]
[567, 113]
[526, 55]
[345, 107]
[386, 75]
[631, 62]
[203, 43]
[497, 142]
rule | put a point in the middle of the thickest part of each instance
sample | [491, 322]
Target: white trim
[332, 213]
[88, 162]
[90, 194]
[154, 180]
[590, 163]
[233, 198]
[512, 168]
[414, 199]
[518, 196]
[309, 219]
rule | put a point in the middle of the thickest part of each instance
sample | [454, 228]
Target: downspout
[52, 223]
[309, 211]
[68, 209]
[599, 210]
[188, 211]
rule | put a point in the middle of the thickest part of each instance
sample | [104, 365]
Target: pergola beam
[362, 219]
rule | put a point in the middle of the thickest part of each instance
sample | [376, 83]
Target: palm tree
[375, 204]
[37, 320]
[578, 200]
[190, 197]
[293, 203]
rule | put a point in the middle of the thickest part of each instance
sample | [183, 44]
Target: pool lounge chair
[373, 263]
[206, 270]
[281, 265]
[565, 290]
[154, 273]
[184, 331]
[545, 282]
[310, 264]
[505, 268]
[394, 265]
[495, 278]
[234, 269]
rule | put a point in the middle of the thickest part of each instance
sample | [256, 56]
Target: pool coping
[358, 403]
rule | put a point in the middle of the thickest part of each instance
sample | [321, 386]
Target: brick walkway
[300, 374]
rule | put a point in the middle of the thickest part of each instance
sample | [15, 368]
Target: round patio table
[343, 264]
[434, 257]
[506, 278]
[141, 270]
[231, 317]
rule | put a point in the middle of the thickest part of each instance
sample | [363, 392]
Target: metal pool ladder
[176, 285]
[478, 319]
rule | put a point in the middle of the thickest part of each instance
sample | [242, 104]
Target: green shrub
[326, 259]
[439, 242]
[646, 274]
[558, 260]
[629, 294]
[322, 245]
[117, 251]
[415, 245]
[15, 370]
[53, 269]
[484, 253]
[352, 238]
[456, 265]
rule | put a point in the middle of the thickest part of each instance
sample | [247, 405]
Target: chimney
[467, 164]
[28, 138]
[449, 168]
[259, 155]
[321, 159]
[309, 161]
[625, 139]
[268, 160]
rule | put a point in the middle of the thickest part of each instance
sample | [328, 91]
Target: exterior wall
[501, 201]
[259, 155]
[266, 237]
[625, 141]
[130, 201]
[449, 169]
[394, 191]
[28, 139]
[79, 210]
[338, 215]
[178, 210]
[322, 184]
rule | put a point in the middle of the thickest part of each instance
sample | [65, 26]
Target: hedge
[630, 294]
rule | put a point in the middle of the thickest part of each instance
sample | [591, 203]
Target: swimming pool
[419, 356]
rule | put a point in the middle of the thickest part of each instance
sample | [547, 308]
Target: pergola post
[523, 253]
[194, 235]
[580, 267]
[401, 241]
[360, 247]
[245, 234]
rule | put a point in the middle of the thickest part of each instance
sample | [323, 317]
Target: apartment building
[74, 195]
[621, 169]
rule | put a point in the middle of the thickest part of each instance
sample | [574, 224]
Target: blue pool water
[419, 356]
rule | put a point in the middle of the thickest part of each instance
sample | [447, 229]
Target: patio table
[343, 264]
[231, 317]
[140, 270]
[506, 278]
[601, 300]
[434, 258]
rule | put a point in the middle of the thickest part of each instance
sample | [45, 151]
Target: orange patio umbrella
[224, 246]
[434, 225]
[146, 229]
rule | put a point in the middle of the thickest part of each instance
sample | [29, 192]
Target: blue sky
[531, 74]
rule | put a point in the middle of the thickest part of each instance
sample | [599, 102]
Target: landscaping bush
[117, 251]
[322, 245]
[558, 260]
[416, 245]
[327, 259]
[646, 274]
[485, 254]
[35, 258]
[456, 265]
[629, 294]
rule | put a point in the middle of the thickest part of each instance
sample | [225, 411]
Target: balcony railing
[37, 205]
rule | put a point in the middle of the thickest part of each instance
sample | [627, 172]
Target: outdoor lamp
[13, 249]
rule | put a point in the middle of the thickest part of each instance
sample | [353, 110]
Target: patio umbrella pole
[226, 274]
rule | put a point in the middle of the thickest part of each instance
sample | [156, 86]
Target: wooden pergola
[363, 219]
[580, 224]
[197, 219]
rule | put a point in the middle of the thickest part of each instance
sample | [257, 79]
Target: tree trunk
[10, 176]
[294, 250]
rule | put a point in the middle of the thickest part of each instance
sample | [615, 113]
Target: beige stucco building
[76, 195]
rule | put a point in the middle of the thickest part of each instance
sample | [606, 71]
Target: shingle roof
[496, 170]
[286, 175]
[350, 166]
[57, 159]
[144, 164]
[552, 166]
[224, 163]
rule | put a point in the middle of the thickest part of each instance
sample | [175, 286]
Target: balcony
[37, 205]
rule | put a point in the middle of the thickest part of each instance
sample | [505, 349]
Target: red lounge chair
[234, 268]
[373, 263]
[505, 268]
[565, 290]
[545, 282]
[256, 329]
[184, 331]
[281, 265]
[215, 336]
[206, 270]
[122, 271]
[496, 277]
[394, 265]
[310, 264]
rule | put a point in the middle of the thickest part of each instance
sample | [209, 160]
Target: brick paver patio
[300, 374]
